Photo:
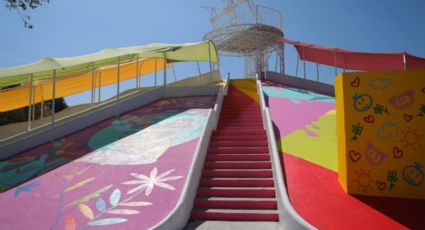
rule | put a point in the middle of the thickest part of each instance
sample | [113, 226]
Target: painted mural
[306, 131]
[305, 123]
[382, 128]
[122, 173]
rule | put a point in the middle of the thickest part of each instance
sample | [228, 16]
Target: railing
[107, 109]
[180, 215]
[288, 217]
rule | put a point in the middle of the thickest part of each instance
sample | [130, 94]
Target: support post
[137, 72]
[305, 75]
[404, 62]
[100, 86]
[296, 70]
[118, 89]
[336, 70]
[209, 58]
[317, 72]
[53, 105]
[155, 70]
[30, 102]
[174, 72]
[165, 74]
[93, 83]
[42, 109]
[199, 68]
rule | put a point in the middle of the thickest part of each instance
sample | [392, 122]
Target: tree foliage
[22, 7]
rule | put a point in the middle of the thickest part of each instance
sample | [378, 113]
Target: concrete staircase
[237, 181]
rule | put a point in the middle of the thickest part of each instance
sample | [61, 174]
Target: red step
[236, 204]
[226, 216]
[230, 192]
[237, 137]
[238, 173]
[257, 131]
[205, 182]
[237, 165]
[238, 143]
[238, 150]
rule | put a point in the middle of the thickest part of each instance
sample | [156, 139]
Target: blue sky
[70, 28]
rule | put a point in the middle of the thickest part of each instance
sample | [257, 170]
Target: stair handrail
[180, 215]
[288, 217]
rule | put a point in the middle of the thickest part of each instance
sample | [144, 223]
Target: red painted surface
[316, 195]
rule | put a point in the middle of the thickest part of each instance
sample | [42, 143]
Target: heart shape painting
[355, 82]
[381, 185]
[369, 119]
[408, 117]
[397, 152]
[355, 156]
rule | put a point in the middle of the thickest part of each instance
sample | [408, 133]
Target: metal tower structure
[244, 29]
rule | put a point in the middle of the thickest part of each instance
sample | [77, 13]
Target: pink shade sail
[354, 60]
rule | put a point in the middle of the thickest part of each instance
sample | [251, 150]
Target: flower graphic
[148, 183]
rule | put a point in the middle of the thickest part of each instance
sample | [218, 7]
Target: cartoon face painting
[362, 102]
[413, 174]
[402, 101]
[373, 155]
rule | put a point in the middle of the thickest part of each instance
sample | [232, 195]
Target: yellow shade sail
[18, 97]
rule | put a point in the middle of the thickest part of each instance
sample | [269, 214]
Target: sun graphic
[411, 138]
[363, 180]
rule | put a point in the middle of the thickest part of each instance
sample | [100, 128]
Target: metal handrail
[288, 217]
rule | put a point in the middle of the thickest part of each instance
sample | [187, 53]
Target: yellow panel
[381, 133]
[18, 97]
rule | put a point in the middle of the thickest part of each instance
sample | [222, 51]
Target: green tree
[23, 6]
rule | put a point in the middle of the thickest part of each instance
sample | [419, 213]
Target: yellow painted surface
[381, 133]
[247, 86]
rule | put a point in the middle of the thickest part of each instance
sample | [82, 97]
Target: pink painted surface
[289, 116]
[84, 194]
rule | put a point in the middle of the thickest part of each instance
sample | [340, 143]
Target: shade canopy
[42, 69]
[354, 60]
[78, 74]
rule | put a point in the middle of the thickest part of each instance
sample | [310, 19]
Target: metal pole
[305, 75]
[30, 103]
[199, 68]
[165, 75]
[118, 88]
[336, 70]
[137, 72]
[296, 70]
[93, 83]
[155, 70]
[100, 86]
[209, 58]
[277, 59]
[42, 109]
[404, 62]
[53, 104]
[317, 71]
[174, 72]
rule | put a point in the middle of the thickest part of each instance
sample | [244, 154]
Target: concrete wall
[301, 83]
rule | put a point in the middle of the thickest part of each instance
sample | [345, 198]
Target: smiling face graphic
[362, 102]
[402, 101]
[373, 155]
[413, 174]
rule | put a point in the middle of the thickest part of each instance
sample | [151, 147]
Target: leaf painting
[135, 204]
[70, 223]
[26, 188]
[123, 211]
[90, 196]
[107, 221]
[79, 184]
[115, 197]
[86, 211]
[100, 204]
